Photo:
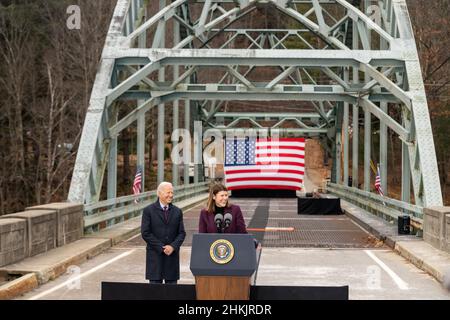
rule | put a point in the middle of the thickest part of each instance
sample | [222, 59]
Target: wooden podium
[222, 288]
[222, 265]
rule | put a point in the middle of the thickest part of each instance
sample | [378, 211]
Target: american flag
[378, 182]
[253, 163]
[137, 184]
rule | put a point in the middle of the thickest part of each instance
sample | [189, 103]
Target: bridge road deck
[322, 250]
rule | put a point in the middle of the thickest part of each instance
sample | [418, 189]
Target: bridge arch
[345, 64]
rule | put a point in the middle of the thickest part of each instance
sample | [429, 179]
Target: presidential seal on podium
[221, 251]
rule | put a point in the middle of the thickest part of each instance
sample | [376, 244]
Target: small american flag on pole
[378, 182]
[137, 184]
[254, 163]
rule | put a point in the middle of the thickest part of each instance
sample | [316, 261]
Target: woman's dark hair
[213, 190]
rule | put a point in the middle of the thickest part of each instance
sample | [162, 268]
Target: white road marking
[136, 235]
[71, 280]
[284, 218]
[398, 281]
[310, 219]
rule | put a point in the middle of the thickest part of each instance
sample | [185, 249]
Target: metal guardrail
[387, 208]
[106, 213]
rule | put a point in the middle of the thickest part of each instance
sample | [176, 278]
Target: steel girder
[356, 61]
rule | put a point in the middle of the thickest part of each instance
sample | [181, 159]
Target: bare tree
[46, 76]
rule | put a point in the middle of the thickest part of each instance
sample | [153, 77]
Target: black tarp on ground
[320, 206]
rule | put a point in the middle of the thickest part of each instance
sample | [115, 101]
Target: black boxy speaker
[404, 224]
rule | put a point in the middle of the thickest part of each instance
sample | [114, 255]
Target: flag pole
[379, 177]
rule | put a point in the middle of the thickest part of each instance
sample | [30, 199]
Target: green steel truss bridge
[341, 64]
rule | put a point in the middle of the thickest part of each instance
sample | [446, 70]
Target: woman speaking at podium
[220, 216]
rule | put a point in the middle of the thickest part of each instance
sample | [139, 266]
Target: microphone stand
[258, 258]
[224, 226]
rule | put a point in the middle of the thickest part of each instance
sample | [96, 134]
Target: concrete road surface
[321, 251]
[370, 274]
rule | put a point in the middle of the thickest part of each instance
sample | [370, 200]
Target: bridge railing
[106, 213]
[387, 208]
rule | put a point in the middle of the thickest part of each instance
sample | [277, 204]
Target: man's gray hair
[162, 185]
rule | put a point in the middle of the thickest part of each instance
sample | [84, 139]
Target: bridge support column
[161, 76]
[111, 185]
[141, 148]
[176, 40]
[355, 114]
[383, 150]
[345, 133]
[187, 121]
[367, 114]
[161, 139]
[339, 143]
[142, 43]
[367, 145]
[355, 147]
[333, 167]
[406, 166]
[406, 174]
[198, 147]
[175, 171]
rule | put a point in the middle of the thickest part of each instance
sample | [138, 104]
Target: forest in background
[47, 72]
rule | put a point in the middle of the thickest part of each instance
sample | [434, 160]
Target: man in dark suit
[162, 229]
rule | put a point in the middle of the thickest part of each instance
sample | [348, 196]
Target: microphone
[218, 218]
[228, 218]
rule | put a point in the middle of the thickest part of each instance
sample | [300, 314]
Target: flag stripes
[252, 163]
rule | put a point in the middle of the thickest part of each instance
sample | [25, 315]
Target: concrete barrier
[41, 229]
[69, 218]
[436, 229]
[13, 240]
[18, 286]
